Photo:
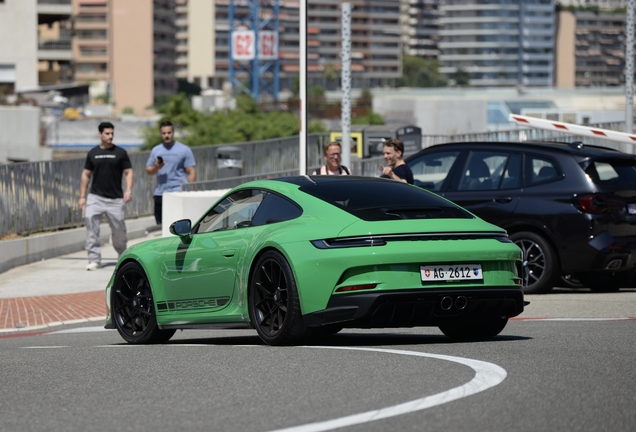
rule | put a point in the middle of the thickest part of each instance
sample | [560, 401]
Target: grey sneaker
[93, 266]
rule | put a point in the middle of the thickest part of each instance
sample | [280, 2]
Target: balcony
[50, 11]
[55, 50]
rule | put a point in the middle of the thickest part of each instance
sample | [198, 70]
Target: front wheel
[474, 331]
[540, 266]
[133, 308]
[274, 306]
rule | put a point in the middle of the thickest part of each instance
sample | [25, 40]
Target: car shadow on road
[351, 339]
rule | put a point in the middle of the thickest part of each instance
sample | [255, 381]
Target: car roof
[574, 148]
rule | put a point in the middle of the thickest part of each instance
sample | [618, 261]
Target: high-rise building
[420, 28]
[128, 44]
[31, 33]
[590, 49]
[601, 4]
[55, 57]
[375, 40]
[498, 42]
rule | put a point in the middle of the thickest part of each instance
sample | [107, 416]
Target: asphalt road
[567, 374]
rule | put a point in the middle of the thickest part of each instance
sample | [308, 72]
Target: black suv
[571, 208]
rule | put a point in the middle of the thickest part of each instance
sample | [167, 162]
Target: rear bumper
[602, 253]
[415, 308]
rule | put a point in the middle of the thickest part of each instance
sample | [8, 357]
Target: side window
[430, 171]
[512, 174]
[275, 208]
[540, 169]
[235, 211]
[484, 170]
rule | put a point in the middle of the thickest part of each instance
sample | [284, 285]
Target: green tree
[330, 74]
[421, 72]
[245, 123]
[370, 118]
[190, 89]
[461, 77]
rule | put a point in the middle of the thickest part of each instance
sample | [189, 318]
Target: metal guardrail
[39, 196]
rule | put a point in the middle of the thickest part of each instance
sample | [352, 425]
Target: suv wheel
[539, 262]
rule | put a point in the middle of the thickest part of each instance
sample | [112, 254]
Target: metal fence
[371, 166]
[40, 196]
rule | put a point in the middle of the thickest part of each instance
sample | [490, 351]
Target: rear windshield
[378, 200]
[617, 171]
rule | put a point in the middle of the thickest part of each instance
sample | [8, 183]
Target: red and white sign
[268, 46]
[244, 47]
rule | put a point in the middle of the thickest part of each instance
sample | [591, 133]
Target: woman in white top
[333, 155]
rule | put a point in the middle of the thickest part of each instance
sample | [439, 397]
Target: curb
[51, 324]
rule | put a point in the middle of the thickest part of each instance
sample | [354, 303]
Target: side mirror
[181, 228]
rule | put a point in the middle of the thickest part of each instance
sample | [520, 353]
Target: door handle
[228, 253]
[503, 200]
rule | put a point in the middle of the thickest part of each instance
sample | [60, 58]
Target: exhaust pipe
[461, 302]
[446, 303]
[614, 264]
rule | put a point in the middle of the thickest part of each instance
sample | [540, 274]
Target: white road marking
[38, 347]
[573, 319]
[81, 330]
[486, 375]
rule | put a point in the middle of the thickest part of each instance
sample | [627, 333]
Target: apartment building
[498, 42]
[420, 28]
[590, 49]
[130, 45]
[32, 40]
[601, 4]
[203, 58]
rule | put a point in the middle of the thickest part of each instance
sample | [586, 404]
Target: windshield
[618, 171]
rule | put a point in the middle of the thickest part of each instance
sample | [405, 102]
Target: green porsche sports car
[300, 257]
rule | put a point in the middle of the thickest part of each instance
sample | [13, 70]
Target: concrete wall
[187, 205]
[25, 250]
[436, 116]
[20, 135]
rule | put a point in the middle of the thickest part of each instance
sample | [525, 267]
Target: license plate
[631, 208]
[451, 272]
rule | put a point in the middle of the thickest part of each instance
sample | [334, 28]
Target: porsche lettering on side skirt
[205, 303]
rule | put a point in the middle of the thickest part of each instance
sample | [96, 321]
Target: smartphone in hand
[160, 159]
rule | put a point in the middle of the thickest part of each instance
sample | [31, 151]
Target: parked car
[571, 208]
[298, 256]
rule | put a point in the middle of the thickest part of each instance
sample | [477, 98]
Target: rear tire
[541, 269]
[474, 331]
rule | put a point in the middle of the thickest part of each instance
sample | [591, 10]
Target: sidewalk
[57, 291]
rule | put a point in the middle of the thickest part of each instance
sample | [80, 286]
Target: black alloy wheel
[540, 267]
[274, 306]
[133, 308]
[474, 331]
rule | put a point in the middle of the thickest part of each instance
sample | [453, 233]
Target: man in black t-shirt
[395, 168]
[105, 164]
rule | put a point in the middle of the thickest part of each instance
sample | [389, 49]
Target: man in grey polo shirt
[173, 163]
